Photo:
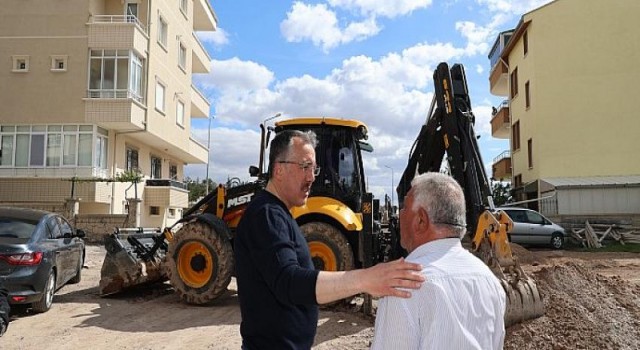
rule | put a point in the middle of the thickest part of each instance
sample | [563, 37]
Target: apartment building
[91, 89]
[569, 75]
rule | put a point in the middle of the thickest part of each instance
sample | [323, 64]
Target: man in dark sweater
[278, 287]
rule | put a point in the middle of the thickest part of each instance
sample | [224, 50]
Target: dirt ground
[592, 301]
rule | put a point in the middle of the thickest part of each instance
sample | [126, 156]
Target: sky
[370, 60]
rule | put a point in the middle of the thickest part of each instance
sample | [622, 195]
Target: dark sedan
[39, 253]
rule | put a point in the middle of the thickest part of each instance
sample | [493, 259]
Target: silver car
[532, 228]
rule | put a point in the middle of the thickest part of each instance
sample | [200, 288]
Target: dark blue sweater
[276, 278]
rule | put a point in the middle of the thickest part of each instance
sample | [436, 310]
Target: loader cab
[338, 154]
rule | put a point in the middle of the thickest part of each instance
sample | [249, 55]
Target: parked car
[39, 253]
[532, 228]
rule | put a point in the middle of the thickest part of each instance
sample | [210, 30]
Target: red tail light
[23, 259]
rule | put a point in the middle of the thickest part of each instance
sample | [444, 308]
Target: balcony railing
[116, 94]
[119, 19]
[501, 156]
[165, 183]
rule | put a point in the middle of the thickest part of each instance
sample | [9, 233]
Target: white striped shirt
[461, 305]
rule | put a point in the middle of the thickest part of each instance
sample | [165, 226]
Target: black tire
[557, 240]
[78, 277]
[200, 261]
[330, 250]
[44, 304]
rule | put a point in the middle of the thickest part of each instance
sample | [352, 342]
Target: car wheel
[44, 304]
[78, 277]
[557, 240]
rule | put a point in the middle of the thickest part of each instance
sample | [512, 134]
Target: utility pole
[392, 190]
[208, 153]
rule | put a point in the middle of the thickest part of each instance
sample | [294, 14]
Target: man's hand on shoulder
[390, 279]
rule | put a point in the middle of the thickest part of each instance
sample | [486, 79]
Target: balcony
[204, 19]
[200, 59]
[166, 193]
[498, 79]
[111, 32]
[114, 111]
[501, 168]
[500, 123]
[199, 104]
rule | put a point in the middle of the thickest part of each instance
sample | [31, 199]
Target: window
[131, 12]
[182, 57]
[530, 152]
[132, 159]
[102, 145]
[156, 168]
[163, 29]
[52, 146]
[517, 181]
[115, 74]
[58, 63]
[183, 6]
[514, 82]
[172, 212]
[527, 99]
[21, 63]
[54, 228]
[525, 42]
[173, 172]
[153, 210]
[180, 113]
[515, 136]
[160, 96]
[6, 149]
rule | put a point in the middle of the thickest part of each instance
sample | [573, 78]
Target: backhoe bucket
[134, 257]
[524, 301]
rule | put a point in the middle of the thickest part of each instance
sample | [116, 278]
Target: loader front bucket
[134, 257]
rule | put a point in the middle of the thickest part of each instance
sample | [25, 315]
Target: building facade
[94, 89]
[569, 75]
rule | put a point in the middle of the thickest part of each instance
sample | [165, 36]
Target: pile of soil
[583, 310]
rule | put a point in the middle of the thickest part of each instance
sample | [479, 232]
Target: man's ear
[423, 220]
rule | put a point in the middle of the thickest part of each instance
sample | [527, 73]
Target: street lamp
[392, 182]
[208, 152]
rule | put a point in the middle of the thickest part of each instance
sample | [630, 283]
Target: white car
[532, 228]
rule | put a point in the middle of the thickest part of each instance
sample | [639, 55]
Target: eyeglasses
[305, 166]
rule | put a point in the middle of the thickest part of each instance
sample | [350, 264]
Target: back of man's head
[443, 200]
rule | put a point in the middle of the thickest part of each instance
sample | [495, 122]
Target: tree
[198, 188]
[501, 192]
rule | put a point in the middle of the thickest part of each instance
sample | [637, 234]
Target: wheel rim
[48, 294]
[323, 256]
[195, 264]
[556, 241]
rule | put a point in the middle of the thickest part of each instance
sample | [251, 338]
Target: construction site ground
[592, 302]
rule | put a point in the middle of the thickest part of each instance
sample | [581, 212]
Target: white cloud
[218, 38]
[514, 7]
[236, 75]
[382, 8]
[231, 153]
[319, 24]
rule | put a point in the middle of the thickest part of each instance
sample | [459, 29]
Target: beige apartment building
[570, 74]
[90, 89]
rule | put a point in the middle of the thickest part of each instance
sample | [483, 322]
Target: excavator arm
[448, 134]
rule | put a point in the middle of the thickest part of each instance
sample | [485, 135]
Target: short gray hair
[282, 142]
[443, 200]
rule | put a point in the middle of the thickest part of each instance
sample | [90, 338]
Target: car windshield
[16, 228]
